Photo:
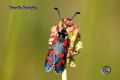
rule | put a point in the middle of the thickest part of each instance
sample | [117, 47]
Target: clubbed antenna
[75, 15]
[58, 11]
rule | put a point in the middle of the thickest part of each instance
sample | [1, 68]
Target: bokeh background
[24, 36]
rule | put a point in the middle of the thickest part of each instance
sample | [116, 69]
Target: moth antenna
[75, 15]
[58, 11]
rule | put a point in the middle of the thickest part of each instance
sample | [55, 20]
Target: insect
[60, 46]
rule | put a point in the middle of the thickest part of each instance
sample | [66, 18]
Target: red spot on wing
[62, 55]
[65, 43]
[63, 62]
[55, 39]
[51, 52]
[58, 64]
[48, 58]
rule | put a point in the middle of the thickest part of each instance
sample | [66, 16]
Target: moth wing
[50, 58]
[61, 57]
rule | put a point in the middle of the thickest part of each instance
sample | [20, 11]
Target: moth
[61, 44]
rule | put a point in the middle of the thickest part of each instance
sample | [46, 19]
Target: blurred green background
[24, 35]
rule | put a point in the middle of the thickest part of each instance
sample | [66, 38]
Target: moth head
[68, 22]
